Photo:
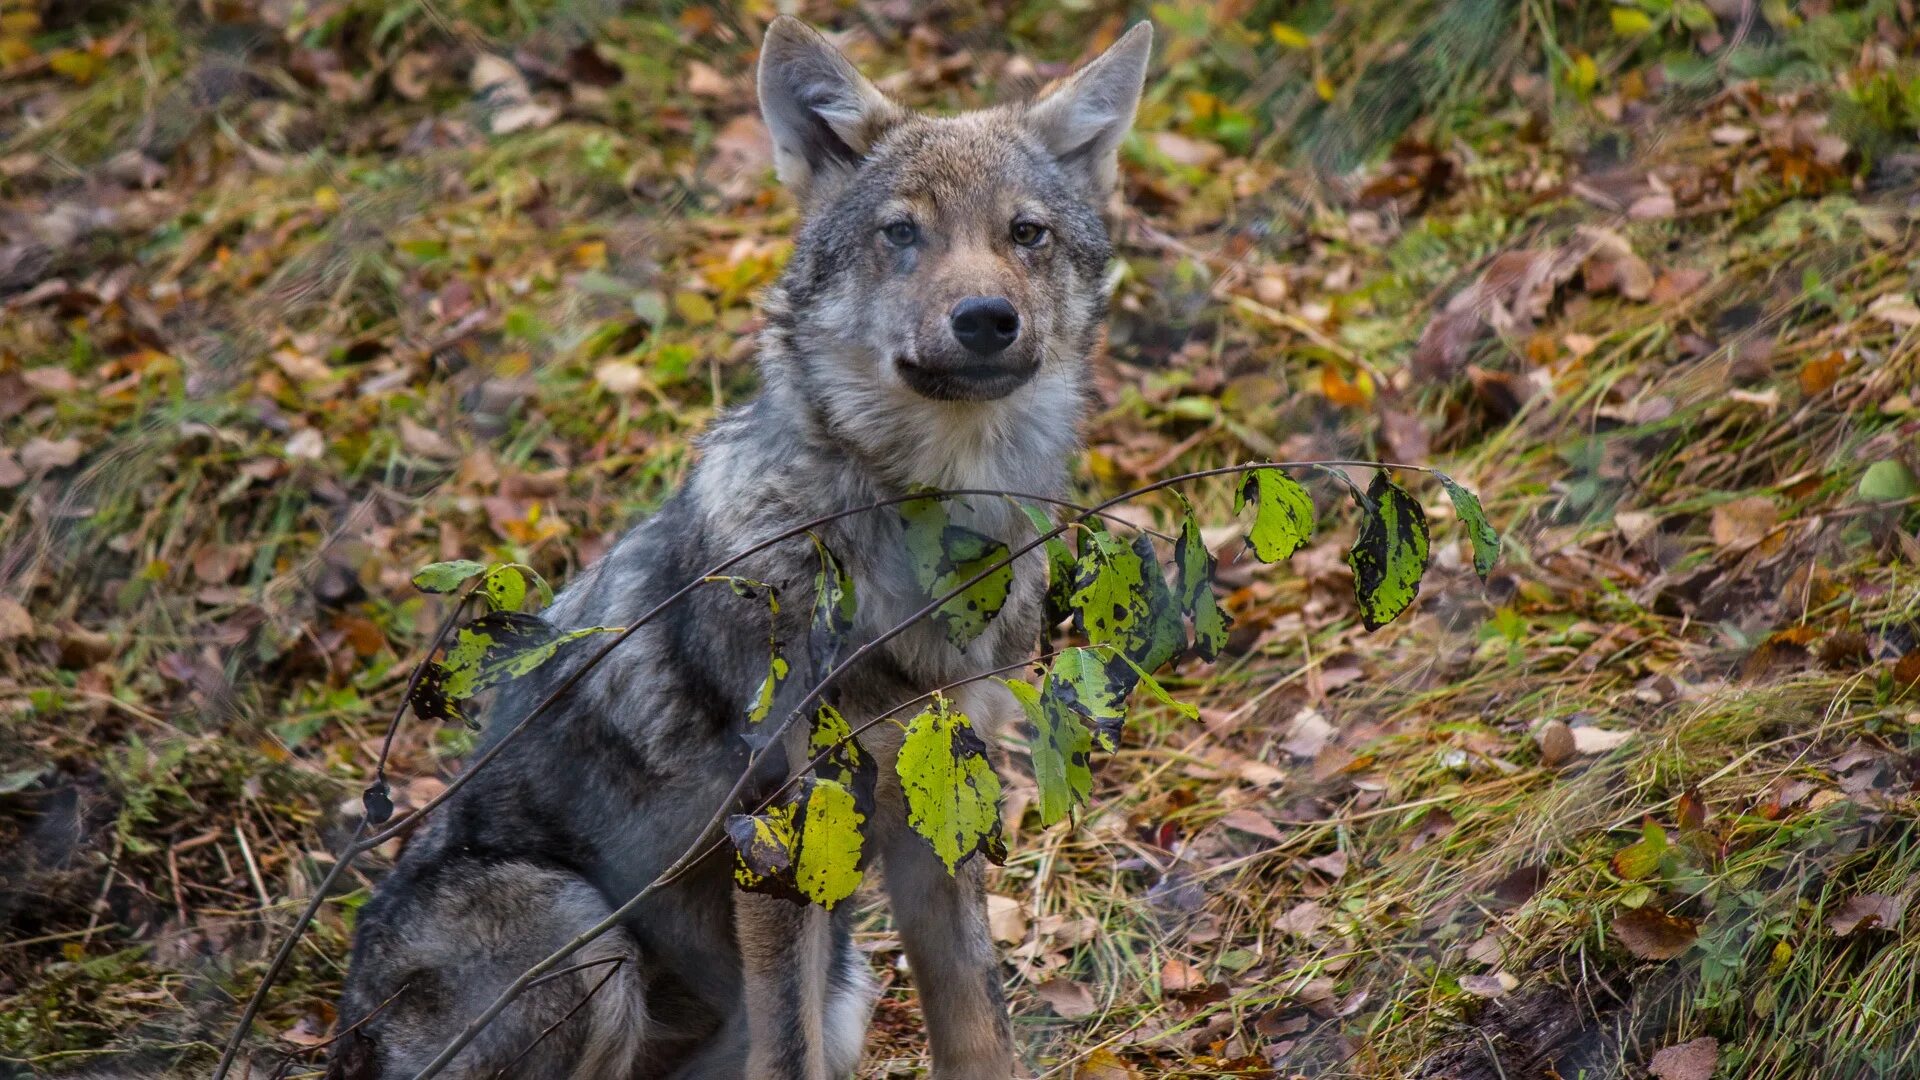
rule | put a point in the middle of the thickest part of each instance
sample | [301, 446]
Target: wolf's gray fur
[877, 376]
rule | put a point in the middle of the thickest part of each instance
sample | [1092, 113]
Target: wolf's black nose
[985, 324]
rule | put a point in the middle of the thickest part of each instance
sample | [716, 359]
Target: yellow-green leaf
[1062, 752]
[1486, 542]
[1629, 22]
[1282, 513]
[1196, 566]
[444, 577]
[952, 793]
[1290, 37]
[1121, 599]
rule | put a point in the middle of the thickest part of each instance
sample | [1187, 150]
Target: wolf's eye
[900, 233]
[1029, 234]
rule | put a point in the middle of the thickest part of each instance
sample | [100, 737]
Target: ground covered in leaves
[298, 297]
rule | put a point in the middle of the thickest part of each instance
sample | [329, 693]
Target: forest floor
[298, 297]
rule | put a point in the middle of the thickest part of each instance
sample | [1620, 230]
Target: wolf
[933, 327]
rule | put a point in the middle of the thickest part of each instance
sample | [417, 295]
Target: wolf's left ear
[823, 115]
[1084, 119]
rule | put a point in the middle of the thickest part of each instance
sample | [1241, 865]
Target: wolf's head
[947, 283]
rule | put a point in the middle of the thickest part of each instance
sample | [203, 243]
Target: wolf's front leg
[943, 924]
[798, 1025]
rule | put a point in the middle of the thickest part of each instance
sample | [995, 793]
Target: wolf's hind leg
[437, 947]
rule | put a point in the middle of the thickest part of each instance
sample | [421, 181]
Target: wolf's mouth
[978, 381]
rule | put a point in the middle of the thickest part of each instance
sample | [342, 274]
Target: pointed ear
[823, 115]
[1084, 119]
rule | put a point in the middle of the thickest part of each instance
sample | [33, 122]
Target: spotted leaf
[833, 611]
[1121, 599]
[1062, 749]
[1390, 553]
[444, 577]
[1486, 542]
[952, 793]
[944, 555]
[1059, 567]
[1282, 513]
[1196, 566]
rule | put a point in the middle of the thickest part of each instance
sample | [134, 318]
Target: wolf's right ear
[823, 115]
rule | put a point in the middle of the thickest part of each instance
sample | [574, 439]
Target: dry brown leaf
[1104, 1065]
[1253, 823]
[1302, 919]
[1006, 919]
[416, 438]
[1652, 934]
[15, 622]
[1593, 740]
[1308, 734]
[1070, 1000]
[1743, 523]
[39, 455]
[1184, 150]
[1177, 975]
[1693, 1060]
[1876, 911]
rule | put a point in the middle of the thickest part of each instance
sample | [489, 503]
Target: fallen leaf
[1693, 1060]
[307, 444]
[1006, 919]
[1177, 975]
[39, 455]
[1069, 999]
[1186, 151]
[1876, 911]
[1652, 934]
[619, 377]
[1308, 734]
[416, 438]
[1104, 1065]
[1593, 740]
[15, 622]
[1302, 919]
[1743, 523]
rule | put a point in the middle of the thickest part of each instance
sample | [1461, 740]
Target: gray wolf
[933, 327]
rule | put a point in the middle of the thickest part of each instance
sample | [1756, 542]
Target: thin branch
[506, 1071]
[696, 851]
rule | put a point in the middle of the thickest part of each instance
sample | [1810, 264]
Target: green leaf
[833, 610]
[777, 669]
[1486, 542]
[943, 555]
[444, 577]
[1196, 566]
[505, 588]
[1093, 684]
[1642, 857]
[952, 793]
[1062, 751]
[1282, 516]
[1888, 481]
[810, 846]
[1059, 566]
[845, 763]
[1390, 553]
[1121, 599]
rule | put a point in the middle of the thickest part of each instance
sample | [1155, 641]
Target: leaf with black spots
[1062, 751]
[944, 555]
[1092, 684]
[1121, 599]
[810, 846]
[845, 761]
[429, 700]
[1059, 566]
[1486, 542]
[1282, 514]
[503, 645]
[1196, 566]
[952, 792]
[833, 611]
[1390, 553]
[444, 577]
[504, 587]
